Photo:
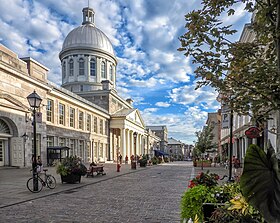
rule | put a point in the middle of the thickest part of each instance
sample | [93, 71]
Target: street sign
[225, 120]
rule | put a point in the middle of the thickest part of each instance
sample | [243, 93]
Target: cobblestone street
[151, 196]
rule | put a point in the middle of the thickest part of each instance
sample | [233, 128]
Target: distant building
[162, 133]
[176, 149]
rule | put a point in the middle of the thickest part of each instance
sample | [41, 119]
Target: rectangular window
[81, 120]
[72, 146]
[101, 126]
[81, 149]
[88, 122]
[101, 150]
[106, 127]
[62, 142]
[50, 141]
[50, 110]
[95, 149]
[61, 114]
[72, 117]
[95, 125]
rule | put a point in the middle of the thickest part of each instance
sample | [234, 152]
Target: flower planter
[205, 164]
[71, 178]
[209, 208]
[143, 163]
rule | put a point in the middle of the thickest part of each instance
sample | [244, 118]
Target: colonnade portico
[122, 142]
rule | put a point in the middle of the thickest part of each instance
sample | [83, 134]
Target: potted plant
[143, 161]
[71, 169]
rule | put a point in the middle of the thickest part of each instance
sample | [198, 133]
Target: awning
[160, 153]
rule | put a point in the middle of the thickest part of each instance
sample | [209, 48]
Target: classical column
[128, 148]
[111, 154]
[123, 142]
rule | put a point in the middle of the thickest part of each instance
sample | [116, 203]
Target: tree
[205, 141]
[246, 70]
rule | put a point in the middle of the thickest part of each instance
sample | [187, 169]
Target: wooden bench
[95, 169]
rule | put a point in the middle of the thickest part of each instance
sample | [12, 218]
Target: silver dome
[89, 37]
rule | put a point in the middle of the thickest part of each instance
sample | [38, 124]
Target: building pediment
[130, 115]
[10, 102]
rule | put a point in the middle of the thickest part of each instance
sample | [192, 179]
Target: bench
[95, 169]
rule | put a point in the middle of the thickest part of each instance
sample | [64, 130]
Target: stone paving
[149, 195]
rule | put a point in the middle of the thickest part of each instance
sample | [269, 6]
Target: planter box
[205, 164]
[143, 163]
[71, 178]
[209, 208]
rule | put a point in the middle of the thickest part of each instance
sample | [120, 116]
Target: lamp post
[230, 145]
[34, 101]
[135, 157]
[25, 137]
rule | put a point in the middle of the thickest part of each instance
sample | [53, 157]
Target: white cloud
[187, 95]
[163, 104]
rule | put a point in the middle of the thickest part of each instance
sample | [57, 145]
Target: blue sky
[144, 34]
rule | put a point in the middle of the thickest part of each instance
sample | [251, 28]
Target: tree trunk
[278, 69]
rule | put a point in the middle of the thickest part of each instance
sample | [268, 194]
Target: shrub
[155, 160]
[71, 165]
[193, 199]
[204, 179]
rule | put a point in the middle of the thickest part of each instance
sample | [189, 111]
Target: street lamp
[34, 101]
[25, 137]
[135, 157]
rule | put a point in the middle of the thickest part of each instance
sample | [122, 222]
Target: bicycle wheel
[51, 182]
[30, 185]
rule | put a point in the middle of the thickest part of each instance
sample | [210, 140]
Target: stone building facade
[85, 114]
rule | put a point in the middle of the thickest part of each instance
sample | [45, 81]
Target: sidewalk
[13, 188]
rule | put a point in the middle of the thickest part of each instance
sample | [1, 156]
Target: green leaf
[260, 182]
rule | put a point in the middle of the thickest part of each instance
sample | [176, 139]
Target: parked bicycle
[48, 181]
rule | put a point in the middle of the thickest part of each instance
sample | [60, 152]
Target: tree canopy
[247, 69]
[205, 139]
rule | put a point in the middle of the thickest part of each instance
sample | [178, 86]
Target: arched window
[103, 72]
[4, 128]
[92, 67]
[81, 66]
[64, 69]
[111, 72]
[71, 67]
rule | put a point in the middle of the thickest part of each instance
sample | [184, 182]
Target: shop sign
[252, 132]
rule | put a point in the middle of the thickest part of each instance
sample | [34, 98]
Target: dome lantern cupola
[87, 57]
[88, 16]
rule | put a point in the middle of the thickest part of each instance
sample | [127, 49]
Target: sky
[144, 34]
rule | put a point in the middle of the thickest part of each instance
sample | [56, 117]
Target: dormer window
[81, 66]
[92, 68]
[71, 67]
[103, 73]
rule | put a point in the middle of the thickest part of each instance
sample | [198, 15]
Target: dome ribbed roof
[87, 36]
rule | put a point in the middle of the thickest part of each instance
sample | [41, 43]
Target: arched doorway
[5, 134]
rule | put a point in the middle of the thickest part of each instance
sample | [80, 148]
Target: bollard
[118, 167]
